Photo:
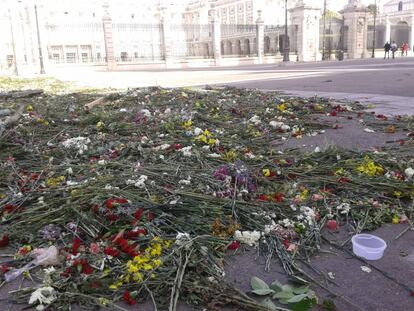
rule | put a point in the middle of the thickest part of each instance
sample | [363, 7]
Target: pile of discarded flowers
[141, 195]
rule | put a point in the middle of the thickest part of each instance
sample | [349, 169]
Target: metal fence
[74, 43]
[332, 37]
[191, 41]
[137, 42]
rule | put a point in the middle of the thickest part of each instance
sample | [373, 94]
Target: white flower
[146, 112]
[144, 139]
[43, 296]
[167, 111]
[71, 183]
[248, 237]
[80, 143]
[186, 151]
[344, 208]
[317, 150]
[102, 162]
[185, 181]
[49, 270]
[409, 172]
[183, 239]
[214, 155]
[140, 183]
[366, 269]
[69, 171]
[275, 124]
[255, 120]
[165, 146]
[197, 131]
[122, 110]
[369, 130]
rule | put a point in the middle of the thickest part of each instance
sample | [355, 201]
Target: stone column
[216, 37]
[109, 41]
[387, 30]
[355, 15]
[306, 17]
[412, 35]
[166, 40]
[260, 37]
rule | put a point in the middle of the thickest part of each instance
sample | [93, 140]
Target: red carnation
[76, 245]
[111, 251]
[332, 225]
[5, 240]
[234, 245]
[128, 298]
[263, 198]
[279, 197]
[138, 214]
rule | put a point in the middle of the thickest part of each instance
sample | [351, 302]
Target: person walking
[394, 48]
[405, 48]
[387, 48]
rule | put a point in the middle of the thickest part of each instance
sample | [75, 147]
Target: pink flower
[292, 247]
[94, 248]
[317, 197]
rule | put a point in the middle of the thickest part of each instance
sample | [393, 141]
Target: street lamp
[16, 72]
[285, 41]
[324, 30]
[375, 30]
[42, 68]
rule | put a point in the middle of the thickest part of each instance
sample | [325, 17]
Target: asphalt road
[387, 83]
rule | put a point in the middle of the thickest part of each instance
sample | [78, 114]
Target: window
[135, 54]
[10, 60]
[400, 6]
[70, 57]
[84, 57]
[98, 56]
[124, 56]
[56, 57]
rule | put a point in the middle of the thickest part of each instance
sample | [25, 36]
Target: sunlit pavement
[389, 83]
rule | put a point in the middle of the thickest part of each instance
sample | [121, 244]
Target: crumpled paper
[42, 257]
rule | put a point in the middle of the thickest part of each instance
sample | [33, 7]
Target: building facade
[164, 30]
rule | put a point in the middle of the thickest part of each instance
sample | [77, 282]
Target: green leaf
[287, 288]
[263, 292]
[268, 304]
[283, 295]
[257, 283]
[304, 305]
[297, 298]
[276, 286]
[284, 301]
[301, 290]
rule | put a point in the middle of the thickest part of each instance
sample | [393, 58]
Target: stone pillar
[260, 37]
[216, 37]
[306, 17]
[387, 30]
[109, 41]
[166, 40]
[412, 35]
[355, 15]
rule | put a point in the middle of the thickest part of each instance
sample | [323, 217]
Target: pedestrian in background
[405, 48]
[394, 48]
[387, 48]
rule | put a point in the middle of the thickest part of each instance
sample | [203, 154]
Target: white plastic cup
[368, 246]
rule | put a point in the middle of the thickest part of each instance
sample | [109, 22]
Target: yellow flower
[168, 243]
[304, 194]
[99, 124]
[113, 287]
[368, 167]
[29, 108]
[138, 277]
[156, 250]
[132, 269]
[187, 124]
[266, 172]
[157, 262]
[340, 171]
[212, 141]
[147, 267]
[398, 194]
[207, 133]
[230, 155]
[203, 138]
[396, 220]
[281, 107]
